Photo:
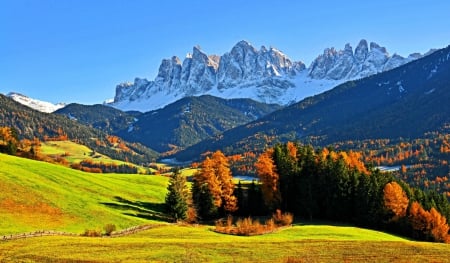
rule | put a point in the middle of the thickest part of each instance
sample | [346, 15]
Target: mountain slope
[265, 75]
[38, 105]
[30, 123]
[178, 125]
[98, 116]
[405, 102]
[191, 120]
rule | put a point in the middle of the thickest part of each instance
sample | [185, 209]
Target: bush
[191, 215]
[282, 219]
[245, 227]
[92, 233]
[109, 228]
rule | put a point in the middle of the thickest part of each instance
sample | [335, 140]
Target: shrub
[270, 225]
[282, 219]
[92, 233]
[249, 226]
[109, 228]
[191, 215]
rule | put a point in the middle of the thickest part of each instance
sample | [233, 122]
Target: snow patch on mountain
[38, 105]
[265, 75]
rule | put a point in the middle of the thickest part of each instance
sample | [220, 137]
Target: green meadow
[41, 196]
[176, 243]
[38, 195]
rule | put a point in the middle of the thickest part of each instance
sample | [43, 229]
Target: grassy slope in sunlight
[37, 195]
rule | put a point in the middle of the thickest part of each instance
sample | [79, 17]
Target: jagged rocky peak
[361, 51]
[169, 69]
[245, 63]
[345, 64]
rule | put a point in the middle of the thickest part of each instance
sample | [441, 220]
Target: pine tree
[203, 200]
[177, 197]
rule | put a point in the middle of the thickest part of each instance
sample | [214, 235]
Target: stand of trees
[9, 140]
[327, 185]
[321, 184]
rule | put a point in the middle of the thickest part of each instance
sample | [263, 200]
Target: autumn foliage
[428, 224]
[249, 226]
[214, 183]
[336, 185]
[395, 200]
[267, 173]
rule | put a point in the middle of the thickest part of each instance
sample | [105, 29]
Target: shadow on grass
[146, 210]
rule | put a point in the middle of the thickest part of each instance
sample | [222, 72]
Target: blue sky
[79, 50]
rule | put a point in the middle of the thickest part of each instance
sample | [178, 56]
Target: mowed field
[36, 195]
[175, 243]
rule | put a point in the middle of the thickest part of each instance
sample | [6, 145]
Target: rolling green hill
[37, 195]
[174, 243]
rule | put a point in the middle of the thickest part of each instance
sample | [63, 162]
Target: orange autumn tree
[431, 223]
[395, 200]
[215, 175]
[266, 171]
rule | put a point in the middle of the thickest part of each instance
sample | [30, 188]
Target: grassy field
[37, 195]
[174, 243]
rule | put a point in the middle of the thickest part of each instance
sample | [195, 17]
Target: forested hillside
[405, 102]
[31, 124]
[191, 120]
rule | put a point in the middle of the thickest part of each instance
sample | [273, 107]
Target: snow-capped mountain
[265, 75]
[39, 105]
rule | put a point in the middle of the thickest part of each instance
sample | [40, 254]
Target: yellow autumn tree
[215, 173]
[395, 200]
[266, 171]
[439, 226]
[429, 223]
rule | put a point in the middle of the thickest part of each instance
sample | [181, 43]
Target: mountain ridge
[265, 75]
[407, 101]
[42, 106]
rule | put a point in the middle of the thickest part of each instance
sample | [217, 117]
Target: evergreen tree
[241, 202]
[203, 200]
[177, 197]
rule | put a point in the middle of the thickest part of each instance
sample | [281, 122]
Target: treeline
[424, 162]
[314, 184]
[99, 167]
[326, 185]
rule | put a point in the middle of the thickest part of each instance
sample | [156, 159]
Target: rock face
[346, 64]
[266, 75]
